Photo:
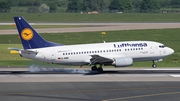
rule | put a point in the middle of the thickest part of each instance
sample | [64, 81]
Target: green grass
[5, 53]
[5, 27]
[105, 17]
[15, 63]
[170, 37]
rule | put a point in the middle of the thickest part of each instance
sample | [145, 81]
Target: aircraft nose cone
[171, 51]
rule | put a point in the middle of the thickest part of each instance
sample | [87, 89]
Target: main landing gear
[154, 65]
[99, 69]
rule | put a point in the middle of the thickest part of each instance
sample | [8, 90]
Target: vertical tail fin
[29, 37]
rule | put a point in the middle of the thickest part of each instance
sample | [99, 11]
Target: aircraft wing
[99, 59]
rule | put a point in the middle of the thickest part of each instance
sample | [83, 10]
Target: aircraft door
[151, 49]
[53, 57]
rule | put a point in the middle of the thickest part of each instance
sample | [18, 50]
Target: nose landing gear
[154, 65]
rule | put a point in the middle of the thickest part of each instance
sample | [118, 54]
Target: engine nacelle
[123, 62]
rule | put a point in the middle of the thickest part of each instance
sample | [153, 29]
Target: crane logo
[27, 34]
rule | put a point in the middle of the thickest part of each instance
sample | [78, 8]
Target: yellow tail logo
[27, 34]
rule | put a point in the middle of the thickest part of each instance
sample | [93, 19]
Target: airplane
[117, 54]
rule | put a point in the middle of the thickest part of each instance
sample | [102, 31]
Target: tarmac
[114, 84]
[90, 91]
[91, 27]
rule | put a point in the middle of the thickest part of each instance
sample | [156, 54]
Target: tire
[154, 65]
[94, 68]
[100, 69]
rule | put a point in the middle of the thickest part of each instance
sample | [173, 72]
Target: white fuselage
[81, 54]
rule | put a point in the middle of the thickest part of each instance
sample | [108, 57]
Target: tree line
[90, 5]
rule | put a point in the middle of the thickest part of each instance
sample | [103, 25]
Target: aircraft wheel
[100, 69]
[154, 66]
[94, 68]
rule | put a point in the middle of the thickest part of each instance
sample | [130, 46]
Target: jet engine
[122, 62]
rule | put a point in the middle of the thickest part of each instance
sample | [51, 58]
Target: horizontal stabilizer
[14, 50]
[17, 49]
[27, 51]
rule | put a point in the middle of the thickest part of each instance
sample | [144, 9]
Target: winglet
[29, 37]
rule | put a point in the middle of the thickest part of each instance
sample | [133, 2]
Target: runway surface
[126, 84]
[90, 91]
[80, 75]
[99, 27]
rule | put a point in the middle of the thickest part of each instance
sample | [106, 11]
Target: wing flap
[99, 59]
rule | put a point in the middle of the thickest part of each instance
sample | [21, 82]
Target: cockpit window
[161, 46]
